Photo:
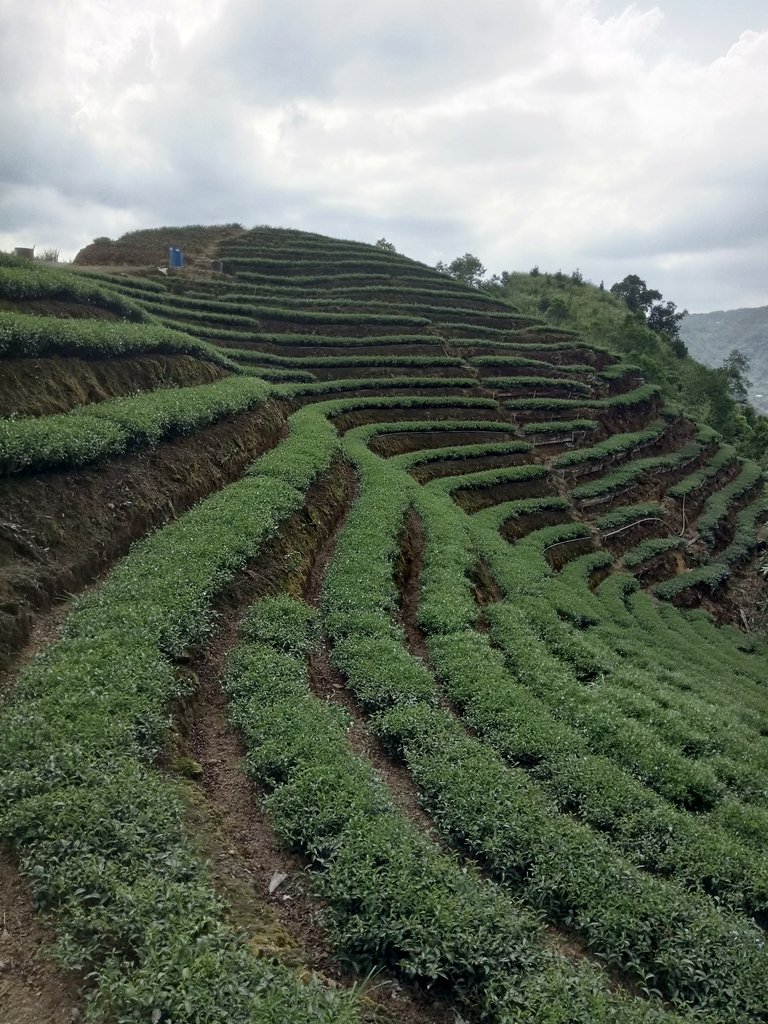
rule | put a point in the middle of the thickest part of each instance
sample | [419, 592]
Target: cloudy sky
[565, 133]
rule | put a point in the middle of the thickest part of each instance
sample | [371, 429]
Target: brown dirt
[249, 851]
[673, 438]
[329, 684]
[397, 443]
[288, 326]
[526, 416]
[33, 989]
[624, 421]
[561, 553]
[555, 357]
[555, 390]
[62, 308]
[246, 850]
[59, 530]
[628, 382]
[487, 590]
[744, 600]
[645, 528]
[45, 631]
[254, 343]
[500, 369]
[472, 499]
[436, 468]
[352, 372]
[40, 387]
[410, 561]
[360, 417]
[478, 319]
[644, 489]
[695, 501]
[519, 526]
[612, 421]
[407, 577]
[387, 389]
[662, 567]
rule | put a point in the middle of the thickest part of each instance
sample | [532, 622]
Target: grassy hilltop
[410, 678]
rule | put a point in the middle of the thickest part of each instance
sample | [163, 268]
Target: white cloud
[557, 133]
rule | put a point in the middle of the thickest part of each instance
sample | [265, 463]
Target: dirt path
[33, 989]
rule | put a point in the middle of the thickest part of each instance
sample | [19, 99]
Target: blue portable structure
[175, 257]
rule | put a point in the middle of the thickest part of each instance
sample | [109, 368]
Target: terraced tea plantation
[372, 653]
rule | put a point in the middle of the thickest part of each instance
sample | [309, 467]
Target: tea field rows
[434, 604]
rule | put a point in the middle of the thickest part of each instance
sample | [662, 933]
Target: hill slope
[420, 615]
[710, 337]
[703, 393]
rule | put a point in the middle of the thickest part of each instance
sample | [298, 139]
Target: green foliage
[283, 623]
[710, 335]
[718, 504]
[22, 281]
[310, 447]
[23, 335]
[467, 451]
[628, 514]
[592, 761]
[467, 268]
[615, 445]
[661, 317]
[572, 387]
[651, 548]
[633, 471]
[489, 478]
[100, 833]
[391, 896]
[709, 575]
[555, 427]
[323, 387]
[722, 459]
[96, 432]
[506, 511]
[603, 319]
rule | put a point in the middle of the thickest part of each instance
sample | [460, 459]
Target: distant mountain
[711, 336]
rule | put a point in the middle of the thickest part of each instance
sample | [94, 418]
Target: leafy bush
[23, 335]
[87, 816]
[109, 428]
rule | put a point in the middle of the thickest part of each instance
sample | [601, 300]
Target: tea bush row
[100, 835]
[359, 612]
[106, 429]
[26, 336]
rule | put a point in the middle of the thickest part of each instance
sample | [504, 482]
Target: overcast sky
[565, 133]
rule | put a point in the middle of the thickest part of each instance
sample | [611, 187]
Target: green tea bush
[651, 548]
[100, 834]
[25, 335]
[24, 282]
[613, 446]
[574, 387]
[106, 429]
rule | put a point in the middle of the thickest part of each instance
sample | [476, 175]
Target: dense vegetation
[456, 606]
[709, 393]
